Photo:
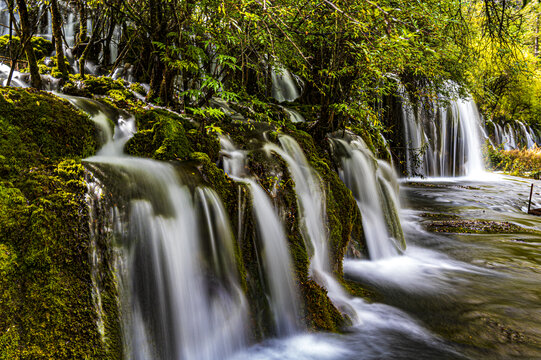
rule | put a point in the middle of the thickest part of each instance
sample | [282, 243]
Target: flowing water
[444, 296]
[449, 296]
[180, 283]
[283, 293]
[442, 141]
[371, 183]
[514, 135]
[284, 85]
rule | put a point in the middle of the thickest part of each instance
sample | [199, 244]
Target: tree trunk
[26, 34]
[158, 67]
[57, 34]
[83, 34]
[106, 61]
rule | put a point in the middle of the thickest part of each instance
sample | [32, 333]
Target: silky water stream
[444, 296]
[179, 283]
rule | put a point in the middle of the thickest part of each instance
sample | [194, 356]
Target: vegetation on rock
[46, 302]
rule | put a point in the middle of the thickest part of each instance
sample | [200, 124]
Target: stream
[449, 296]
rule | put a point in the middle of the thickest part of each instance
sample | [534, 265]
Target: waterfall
[276, 258]
[4, 18]
[371, 182]
[311, 201]
[313, 220]
[283, 294]
[294, 116]
[181, 291]
[514, 135]
[442, 141]
[284, 85]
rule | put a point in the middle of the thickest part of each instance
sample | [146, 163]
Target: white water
[313, 223]
[284, 86]
[514, 135]
[311, 202]
[182, 295]
[294, 116]
[284, 296]
[443, 141]
[367, 179]
[277, 261]
[17, 79]
[369, 320]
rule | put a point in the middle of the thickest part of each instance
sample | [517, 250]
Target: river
[450, 295]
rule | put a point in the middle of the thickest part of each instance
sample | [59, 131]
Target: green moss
[161, 136]
[99, 85]
[42, 47]
[138, 88]
[45, 286]
[37, 127]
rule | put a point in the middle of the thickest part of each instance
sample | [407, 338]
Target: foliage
[161, 136]
[525, 162]
[505, 79]
[42, 47]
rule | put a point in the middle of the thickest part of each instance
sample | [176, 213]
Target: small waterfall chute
[375, 190]
[284, 85]
[294, 116]
[313, 222]
[276, 258]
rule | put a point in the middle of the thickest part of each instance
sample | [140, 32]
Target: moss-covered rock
[161, 136]
[46, 288]
[39, 128]
[476, 227]
[42, 47]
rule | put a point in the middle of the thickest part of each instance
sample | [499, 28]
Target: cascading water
[181, 293]
[371, 182]
[527, 136]
[442, 141]
[311, 203]
[284, 85]
[513, 135]
[4, 18]
[283, 293]
[294, 116]
[366, 317]
[17, 80]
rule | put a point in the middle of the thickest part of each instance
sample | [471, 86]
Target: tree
[26, 35]
[57, 34]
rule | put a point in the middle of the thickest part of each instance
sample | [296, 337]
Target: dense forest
[347, 57]
[255, 179]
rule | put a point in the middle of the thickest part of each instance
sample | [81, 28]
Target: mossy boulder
[476, 227]
[45, 272]
[39, 128]
[42, 47]
[161, 136]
